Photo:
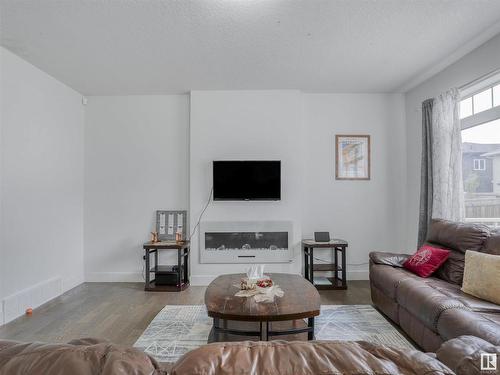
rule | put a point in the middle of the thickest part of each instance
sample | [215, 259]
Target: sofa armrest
[463, 354]
[388, 259]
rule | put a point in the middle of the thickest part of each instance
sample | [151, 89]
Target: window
[480, 102]
[480, 121]
[479, 164]
[481, 172]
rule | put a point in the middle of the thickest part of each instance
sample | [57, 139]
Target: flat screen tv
[247, 180]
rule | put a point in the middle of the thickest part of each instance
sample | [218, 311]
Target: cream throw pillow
[482, 276]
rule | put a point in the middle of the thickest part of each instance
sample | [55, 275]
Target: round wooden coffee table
[242, 316]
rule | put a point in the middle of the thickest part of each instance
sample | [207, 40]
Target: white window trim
[466, 91]
[480, 118]
[481, 164]
[480, 84]
[483, 83]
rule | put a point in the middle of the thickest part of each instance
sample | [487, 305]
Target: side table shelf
[182, 275]
[338, 280]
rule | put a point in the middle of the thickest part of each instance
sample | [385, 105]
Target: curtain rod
[479, 79]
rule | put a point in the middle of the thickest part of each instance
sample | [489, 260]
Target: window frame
[481, 165]
[487, 115]
[488, 81]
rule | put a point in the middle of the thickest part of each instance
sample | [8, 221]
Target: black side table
[182, 276]
[338, 280]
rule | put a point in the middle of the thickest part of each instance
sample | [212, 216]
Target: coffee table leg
[216, 331]
[310, 324]
[264, 331]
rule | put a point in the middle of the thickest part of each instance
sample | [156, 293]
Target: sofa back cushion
[82, 357]
[305, 358]
[492, 244]
[452, 270]
[458, 236]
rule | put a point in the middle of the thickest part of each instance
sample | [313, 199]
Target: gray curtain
[447, 182]
[441, 194]
[426, 172]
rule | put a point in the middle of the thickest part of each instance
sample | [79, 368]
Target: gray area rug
[181, 328]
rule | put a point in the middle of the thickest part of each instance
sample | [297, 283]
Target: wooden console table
[338, 280]
[182, 265]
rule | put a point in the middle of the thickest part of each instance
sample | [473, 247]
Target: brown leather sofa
[460, 356]
[433, 310]
[91, 357]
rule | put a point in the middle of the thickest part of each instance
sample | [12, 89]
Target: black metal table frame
[309, 265]
[264, 333]
[182, 264]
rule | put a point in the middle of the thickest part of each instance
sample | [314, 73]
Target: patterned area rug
[181, 328]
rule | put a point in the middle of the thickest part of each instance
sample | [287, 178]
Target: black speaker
[322, 236]
[166, 275]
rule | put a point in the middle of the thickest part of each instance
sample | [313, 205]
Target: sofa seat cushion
[471, 302]
[305, 358]
[455, 322]
[492, 317]
[425, 302]
[387, 278]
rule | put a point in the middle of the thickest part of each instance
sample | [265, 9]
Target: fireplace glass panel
[246, 241]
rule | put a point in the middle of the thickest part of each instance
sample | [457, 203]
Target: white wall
[299, 129]
[479, 62]
[1, 185]
[136, 152]
[249, 125]
[368, 214]
[41, 185]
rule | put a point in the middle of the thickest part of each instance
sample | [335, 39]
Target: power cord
[202, 212]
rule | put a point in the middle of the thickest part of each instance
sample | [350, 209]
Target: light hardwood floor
[120, 312]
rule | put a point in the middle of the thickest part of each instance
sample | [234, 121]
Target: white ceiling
[107, 47]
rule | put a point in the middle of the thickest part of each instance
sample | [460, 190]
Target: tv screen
[247, 180]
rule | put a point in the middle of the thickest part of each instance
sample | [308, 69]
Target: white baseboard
[114, 277]
[204, 280]
[15, 305]
[196, 280]
[358, 275]
[72, 282]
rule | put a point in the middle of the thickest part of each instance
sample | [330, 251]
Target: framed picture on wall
[352, 157]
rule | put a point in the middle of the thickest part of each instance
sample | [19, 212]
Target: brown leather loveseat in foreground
[91, 357]
[94, 357]
[433, 310]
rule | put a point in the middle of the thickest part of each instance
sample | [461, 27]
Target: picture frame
[352, 157]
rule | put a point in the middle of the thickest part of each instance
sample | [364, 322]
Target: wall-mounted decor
[169, 223]
[352, 157]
